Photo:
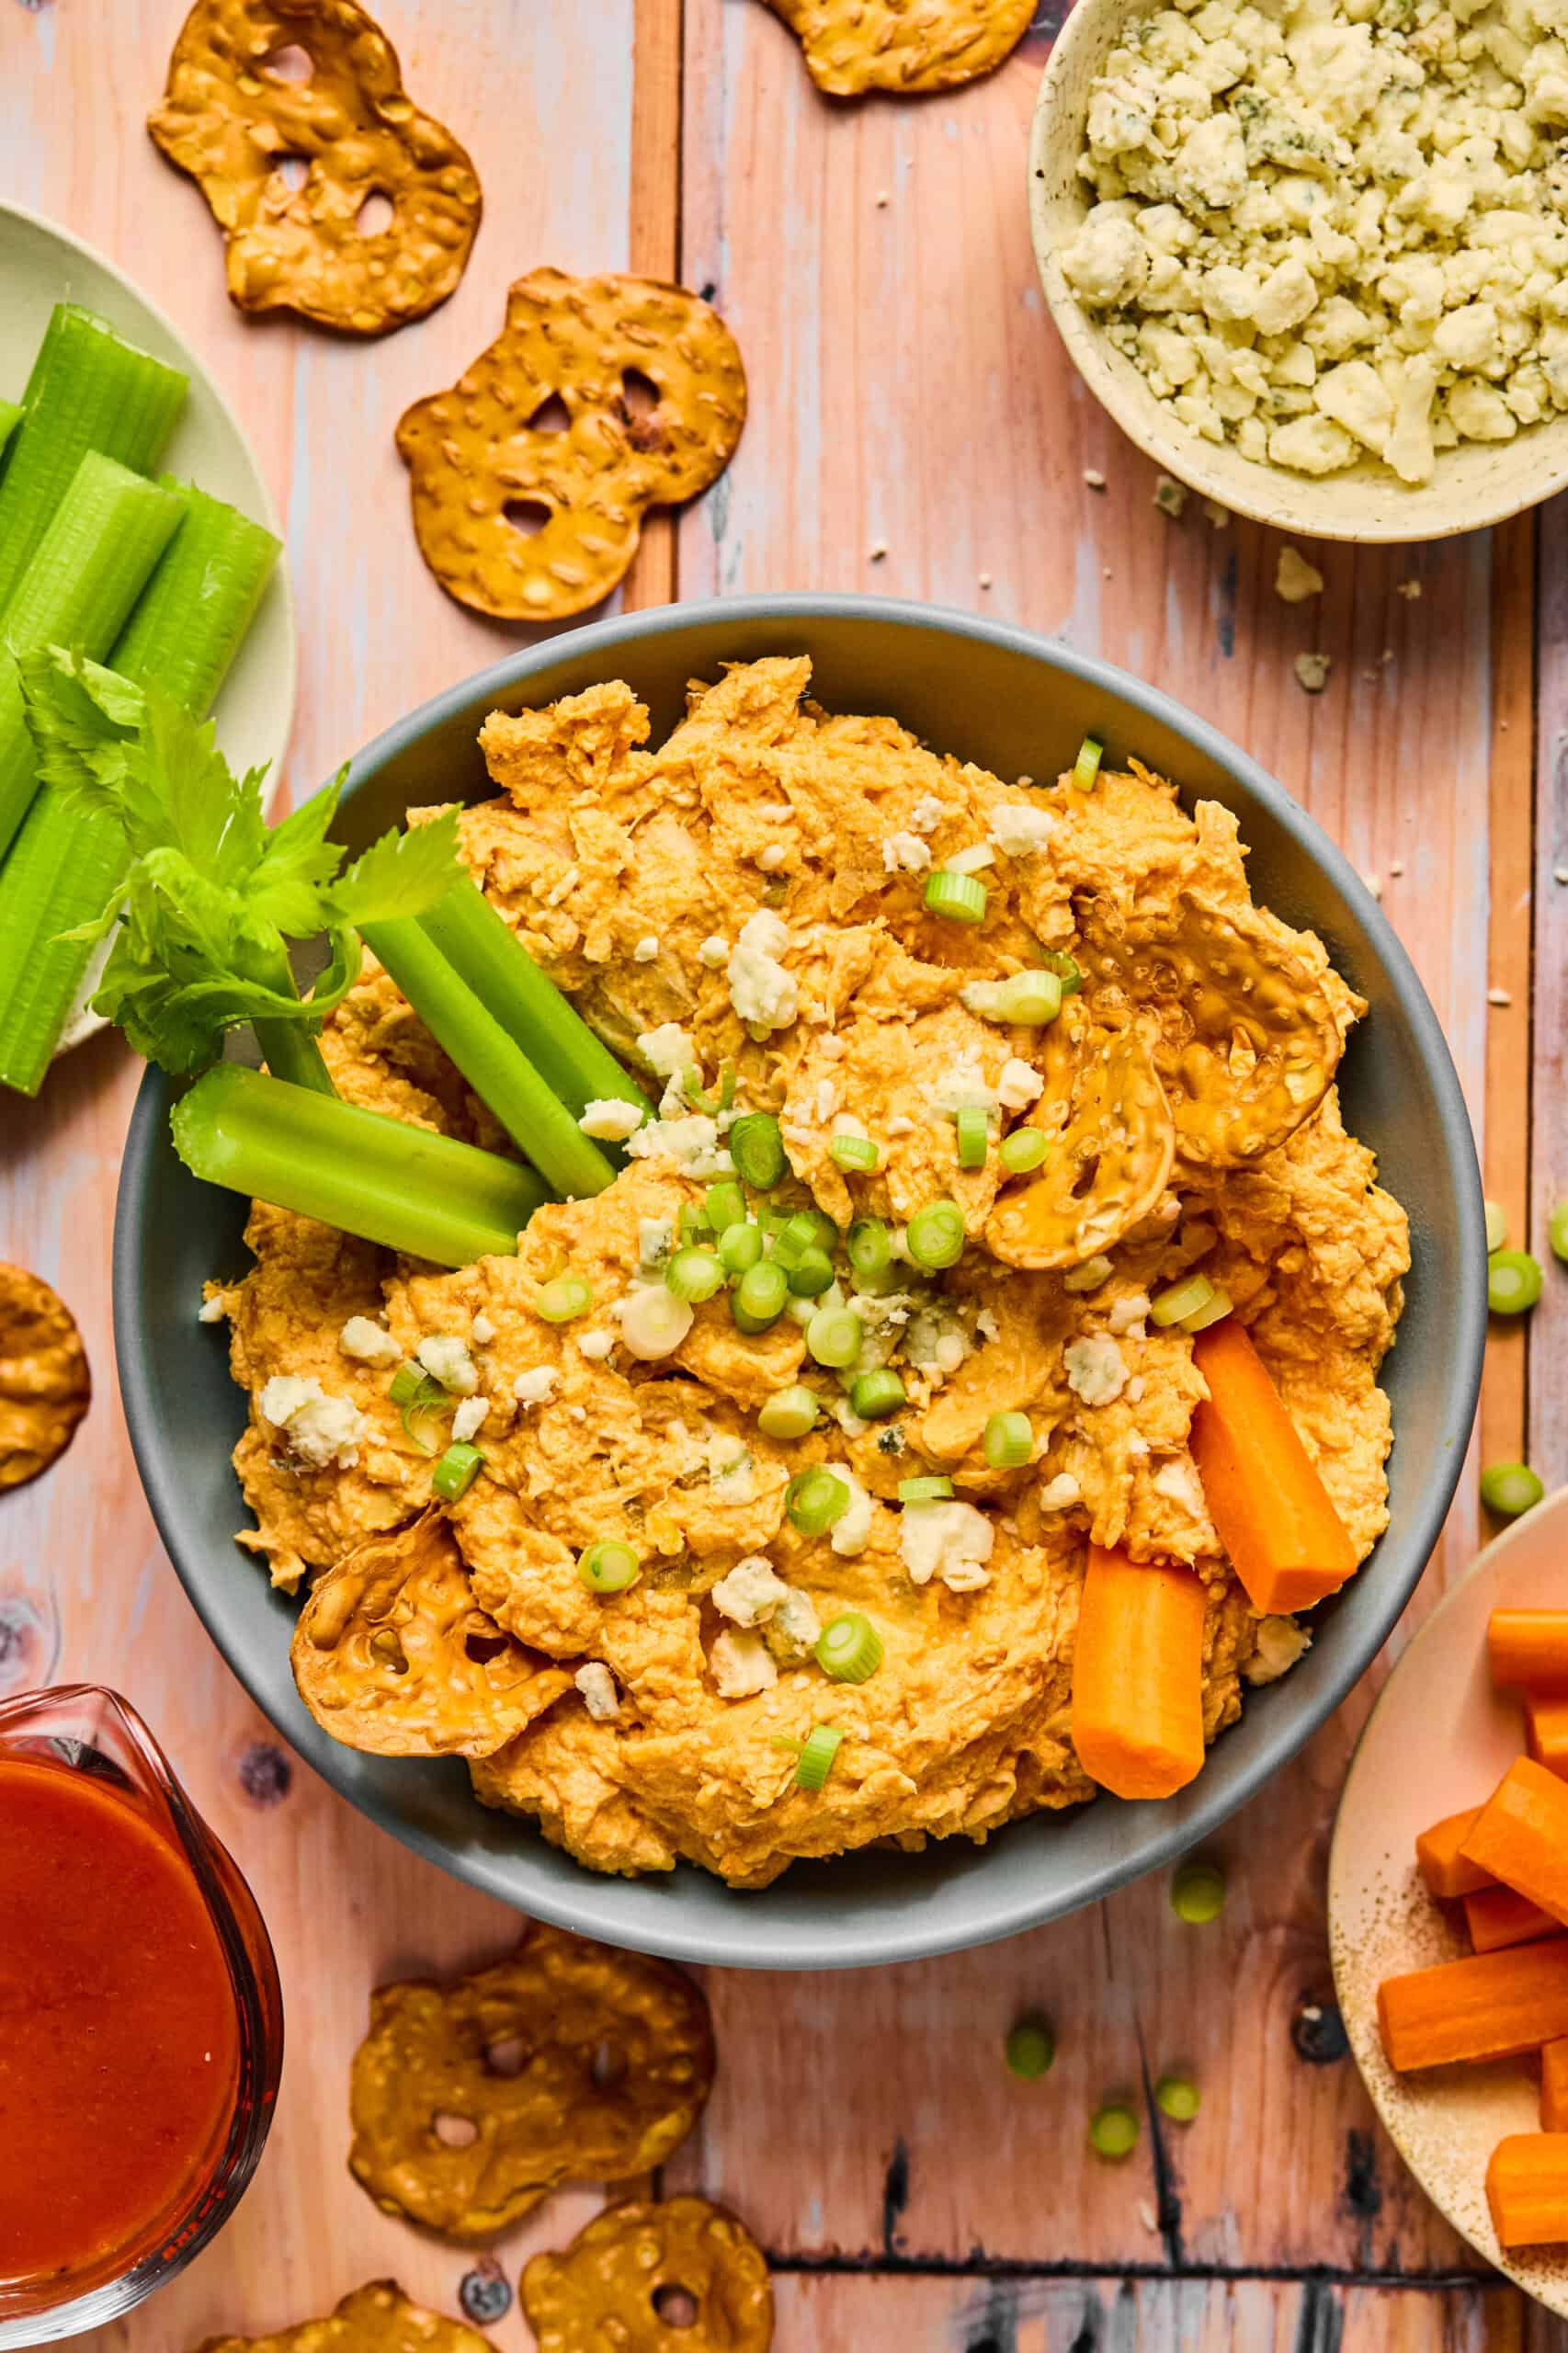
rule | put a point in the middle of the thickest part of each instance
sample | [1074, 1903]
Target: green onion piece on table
[694, 1274]
[1213, 1310]
[1030, 2047]
[563, 1298]
[1512, 1282]
[834, 1336]
[725, 1205]
[1178, 2097]
[1497, 1226]
[1198, 1893]
[974, 1137]
[1510, 1488]
[933, 1487]
[874, 1395]
[1180, 1300]
[756, 1147]
[456, 1472]
[740, 1247]
[958, 897]
[1007, 1441]
[814, 1500]
[856, 1152]
[788, 1413]
[869, 1248]
[1023, 1150]
[1087, 767]
[609, 1566]
[849, 1648]
[1557, 1231]
[816, 1761]
[935, 1237]
[1113, 2131]
[757, 1301]
[404, 1187]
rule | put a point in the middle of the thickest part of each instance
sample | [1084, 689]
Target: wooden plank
[654, 237]
[1548, 1063]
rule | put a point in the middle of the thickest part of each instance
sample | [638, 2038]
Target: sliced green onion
[1213, 1310]
[797, 1233]
[1027, 1000]
[849, 1648]
[1030, 2048]
[758, 1300]
[1557, 1230]
[935, 1235]
[1178, 2097]
[1023, 1150]
[456, 1472]
[1008, 1441]
[694, 1274]
[1198, 1893]
[609, 1566]
[833, 1335]
[411, 1385]
[814, 1500]
[1497, 1226]
[1113, 2131]
[756, 1147]
[1510, 1488]
[933, 1487]
[564, 1299]
[691, 1222]
[728, 1082]
[856, 1152]
[726, 1206]
[1512, 1282]
[788, 1413]
[1065, 967]
[1087, 767]
[869, 1248]
[958, 897]
[974, 1136]
[691, 1090]
[874, 1395]
[811, 1274]
[816, 1761]
[740, 1246]
[1180, 1300]
[653, 1322]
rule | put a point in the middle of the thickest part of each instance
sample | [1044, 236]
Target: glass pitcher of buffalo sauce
[141, 2025]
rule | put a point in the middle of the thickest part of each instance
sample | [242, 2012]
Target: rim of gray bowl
[963, 1895]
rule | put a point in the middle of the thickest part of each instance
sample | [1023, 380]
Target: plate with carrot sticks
[1449, 1904]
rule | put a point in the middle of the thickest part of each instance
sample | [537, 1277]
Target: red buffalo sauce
[118, 2033]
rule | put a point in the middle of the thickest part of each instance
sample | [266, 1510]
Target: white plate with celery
[135, 524]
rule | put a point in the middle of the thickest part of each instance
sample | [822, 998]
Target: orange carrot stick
[1527, 2189]
[1546, 1730]
[1286, 1543]
[1554, 2086]
[1520, 1836]
[1528, 1649]
[1496, 1916]
[1439, 1862]
[1489, 2008]
[1138, 1676]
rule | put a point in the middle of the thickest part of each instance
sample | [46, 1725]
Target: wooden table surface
[915, 431]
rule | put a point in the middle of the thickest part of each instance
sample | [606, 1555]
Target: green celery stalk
[577, 1066]
[500, 1074]
[404, 1187]
[186, 629]
[88, 390]
[88, 571]
[10, 417]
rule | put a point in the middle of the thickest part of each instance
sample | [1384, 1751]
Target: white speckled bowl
[1479, 482]
[1440, 1738]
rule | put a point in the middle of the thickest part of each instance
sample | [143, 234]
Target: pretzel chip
[45, 1386]
[1113, 1142]
[233, 123]
[908, 46]
[525, 521]
[610, 2286]
[569, 2062]
[393, 1655]
[377, 2318]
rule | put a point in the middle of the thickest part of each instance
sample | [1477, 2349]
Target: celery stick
[88, 571]
[10, 417]
[574, 1064]
[185, 630]
[404, 1186]
[498, 1071]
[88, 390]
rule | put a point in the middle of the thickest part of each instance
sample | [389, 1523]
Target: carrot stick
[1138, 1676]
[1439, 1862]
[1554, 2086]
[1496, 1916]
[1286, 1543]
[1546, 1730]
[1527, 2189]
[1528, 1649]
[1488, 2007]
[1521, 1835]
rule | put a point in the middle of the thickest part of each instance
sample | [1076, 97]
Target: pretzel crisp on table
[472, 2099]
[1112, 1143]
[914, 46]
[680, 2276]
[525, 519]
[377, 2318]
[233, 124]
[45, 1385]
[392, 1654]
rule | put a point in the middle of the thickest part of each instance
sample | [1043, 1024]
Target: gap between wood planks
[653, 239]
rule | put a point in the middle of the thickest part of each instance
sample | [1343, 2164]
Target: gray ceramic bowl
[1019, 706]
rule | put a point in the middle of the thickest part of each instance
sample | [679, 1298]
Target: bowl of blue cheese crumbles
[1314, 256]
